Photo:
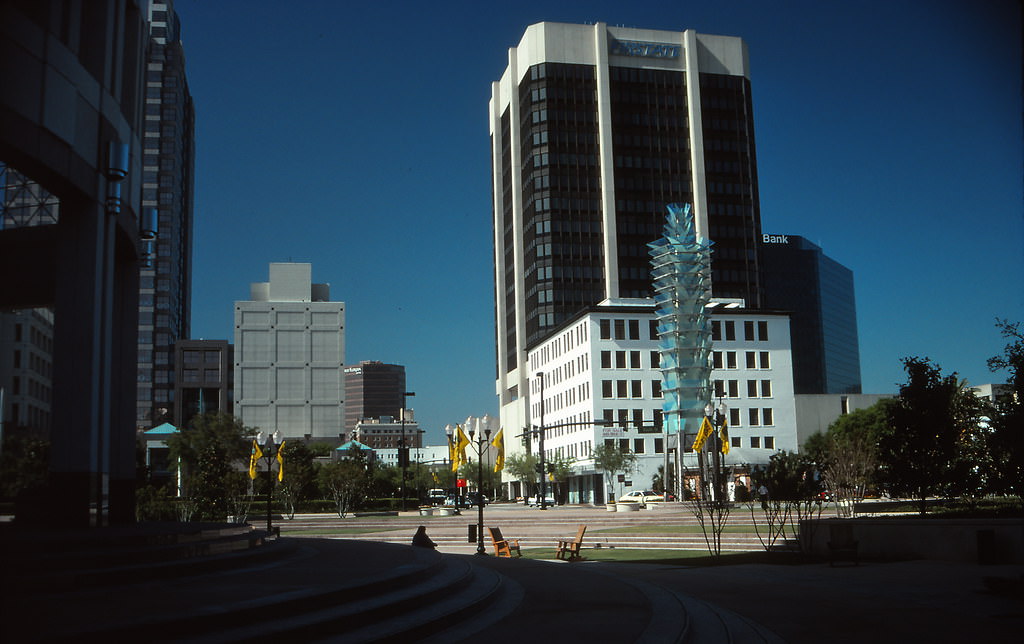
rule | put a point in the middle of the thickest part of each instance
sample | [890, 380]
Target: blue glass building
[818, 291]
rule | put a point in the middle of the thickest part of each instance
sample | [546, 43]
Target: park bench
[841, 545]
[570, 545]
[503, 547]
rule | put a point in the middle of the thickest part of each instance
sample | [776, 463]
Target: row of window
[632, 418]
[564, 342]
[752, 360]
[34, 363]
[34, 389]
[752, 331]
[731, 388]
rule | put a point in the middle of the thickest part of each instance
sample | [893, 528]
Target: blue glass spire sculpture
[681, 272]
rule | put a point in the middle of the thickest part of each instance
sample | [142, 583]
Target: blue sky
[354, 136]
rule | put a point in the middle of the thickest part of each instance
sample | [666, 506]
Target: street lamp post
[270, 447]
[716, 416]
[543, 430]
[480, 436]
[403, 454]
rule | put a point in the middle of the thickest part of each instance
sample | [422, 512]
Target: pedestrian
[421, 539]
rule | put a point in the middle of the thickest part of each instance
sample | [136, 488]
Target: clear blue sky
[354, 136]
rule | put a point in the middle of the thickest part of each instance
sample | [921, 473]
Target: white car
[548, 500]
[646, 496]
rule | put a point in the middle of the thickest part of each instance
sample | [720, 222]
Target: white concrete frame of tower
[588, 44]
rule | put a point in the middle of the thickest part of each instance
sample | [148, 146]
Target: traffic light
[403, 457]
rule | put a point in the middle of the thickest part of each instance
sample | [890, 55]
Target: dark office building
[204, 378]
[373, 390]
[800, 278]
[594, 130]
[71, 121]
[165, 287]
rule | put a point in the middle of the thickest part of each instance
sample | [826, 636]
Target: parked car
[645, 496]
[534, 500]
[436, 496]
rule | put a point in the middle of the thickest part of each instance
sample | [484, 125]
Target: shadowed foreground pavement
[537, 601]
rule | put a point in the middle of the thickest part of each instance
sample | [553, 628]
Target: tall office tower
[290, 355]
[165, 286]
[373, 390]
[594, 130]
[800, 278]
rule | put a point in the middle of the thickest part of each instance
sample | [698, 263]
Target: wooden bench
[503, 547]
[570, 545]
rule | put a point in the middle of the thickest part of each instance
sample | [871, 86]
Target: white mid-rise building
[605, 365]
[289, 356]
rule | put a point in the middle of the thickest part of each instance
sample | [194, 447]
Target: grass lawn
[315, 532]
[677, 529]
[671, 557]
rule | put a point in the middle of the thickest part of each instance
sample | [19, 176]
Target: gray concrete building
[290, 356]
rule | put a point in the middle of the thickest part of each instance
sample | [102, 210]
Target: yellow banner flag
[460, 448]
[724, 434]
[254, 458]
[280, 461]
[499, 444]
[702, 434]
[453, 456]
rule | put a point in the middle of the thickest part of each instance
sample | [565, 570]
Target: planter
[627, 507]
[446, 512]
[426, 512]
[611, 506]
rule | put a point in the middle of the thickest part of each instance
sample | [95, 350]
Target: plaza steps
[60, 560]
[410, 602]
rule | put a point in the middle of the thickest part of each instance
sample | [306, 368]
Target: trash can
[472, 533]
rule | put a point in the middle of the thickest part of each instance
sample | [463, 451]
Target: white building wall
[581, 368]
[289, 356]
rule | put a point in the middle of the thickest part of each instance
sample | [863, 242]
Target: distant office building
[290, 355]
[800, 278]
[373, 390]
[168, 152]
[605, 364]
[204, 378]
[26, 370]
[387, 432]
[594, 130]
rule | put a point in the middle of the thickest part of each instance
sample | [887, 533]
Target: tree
[24, 463]
[559, 471]
[523, 467]
[932, 419]
[210, 449]
[346, 481]
[794, 486]
[1006, 440]
[299, 480]
[847, 454]
[613, 460]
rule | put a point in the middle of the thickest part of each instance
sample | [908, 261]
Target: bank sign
[775, 239]
[646, 49]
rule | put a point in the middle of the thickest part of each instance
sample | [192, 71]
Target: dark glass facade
[563, 234]
[819, 292]
[373, 390]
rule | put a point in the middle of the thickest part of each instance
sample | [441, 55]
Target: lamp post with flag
[715, 426]
[480, 430]
[267, 447]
